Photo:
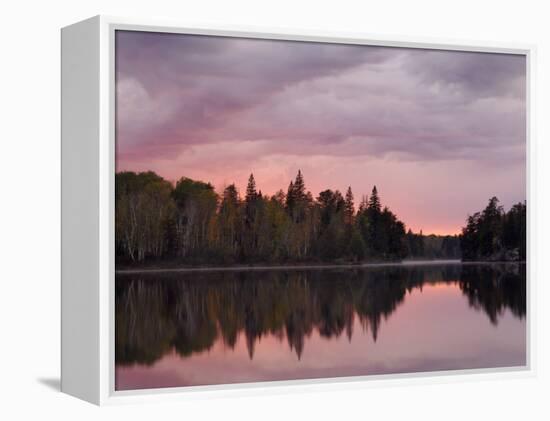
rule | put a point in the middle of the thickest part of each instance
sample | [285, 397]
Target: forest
[495, 235]
[189, 223]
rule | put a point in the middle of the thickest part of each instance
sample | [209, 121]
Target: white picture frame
[88, 169]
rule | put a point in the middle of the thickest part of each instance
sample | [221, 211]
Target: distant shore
[309, 266]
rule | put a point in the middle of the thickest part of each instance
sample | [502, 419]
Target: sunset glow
[438, 132]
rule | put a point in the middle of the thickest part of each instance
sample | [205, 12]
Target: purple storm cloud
[439, 132]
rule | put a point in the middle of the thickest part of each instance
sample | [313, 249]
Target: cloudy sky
[438, 132]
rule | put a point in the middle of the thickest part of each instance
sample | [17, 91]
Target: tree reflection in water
[189, 311]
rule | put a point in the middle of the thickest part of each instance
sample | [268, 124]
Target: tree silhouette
[349, 207]
[374, 201]
[251, 194]
[494, 234]
[190, 224]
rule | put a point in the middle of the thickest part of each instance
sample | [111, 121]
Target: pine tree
[290, 198]
[374, 234]
[299, 187]
[349, 208]
[252, 218]
[469, 239]
[251, 194]
[297, 199]
[251, 201]
[374, 201]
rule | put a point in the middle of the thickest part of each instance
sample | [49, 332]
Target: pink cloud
[439, 132]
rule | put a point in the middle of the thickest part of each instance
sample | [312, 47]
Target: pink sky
[438, 132]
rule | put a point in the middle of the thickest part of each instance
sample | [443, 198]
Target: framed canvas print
[244, 209]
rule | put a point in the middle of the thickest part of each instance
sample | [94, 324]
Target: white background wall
[29, 208]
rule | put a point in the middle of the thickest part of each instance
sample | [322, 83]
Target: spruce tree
[299, 187]
[290, 198]
[250, 201]
[374, 201]
[251, 194]
[298, 202]
[349, 209]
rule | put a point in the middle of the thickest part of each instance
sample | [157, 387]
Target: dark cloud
[314, 98]
[477, 75]
[437, 131]
[201, 81]
[168, 59]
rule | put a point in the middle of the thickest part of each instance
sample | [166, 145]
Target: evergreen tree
[374, 201]
[190, 221]
[490, 229]
[251, 194]
[299, 187]
[349, 209]
[494, 234]
[252, 220]
[469, 241]
[374, 235]
[230, 222]
[251, 201]
[290, 198]
[299, 199]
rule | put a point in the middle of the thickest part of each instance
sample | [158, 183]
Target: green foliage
[196, 203]
[144, 212]
[190, 223]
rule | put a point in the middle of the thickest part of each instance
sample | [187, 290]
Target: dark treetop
[190, 224]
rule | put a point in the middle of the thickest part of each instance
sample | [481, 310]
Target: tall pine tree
[374, 201]
[290, 199]
[299, 187]
[251, 194]
[349, 209]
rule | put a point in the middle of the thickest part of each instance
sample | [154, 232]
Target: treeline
[197, 309]
[432, 246]
[191, 223]
[496, 235]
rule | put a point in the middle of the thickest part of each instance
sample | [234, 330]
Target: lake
[189, 328]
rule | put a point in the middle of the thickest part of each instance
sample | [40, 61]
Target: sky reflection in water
[197, 328]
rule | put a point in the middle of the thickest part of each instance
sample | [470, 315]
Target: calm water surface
[197, 328]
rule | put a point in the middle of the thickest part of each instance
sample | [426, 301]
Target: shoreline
[313, 266]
